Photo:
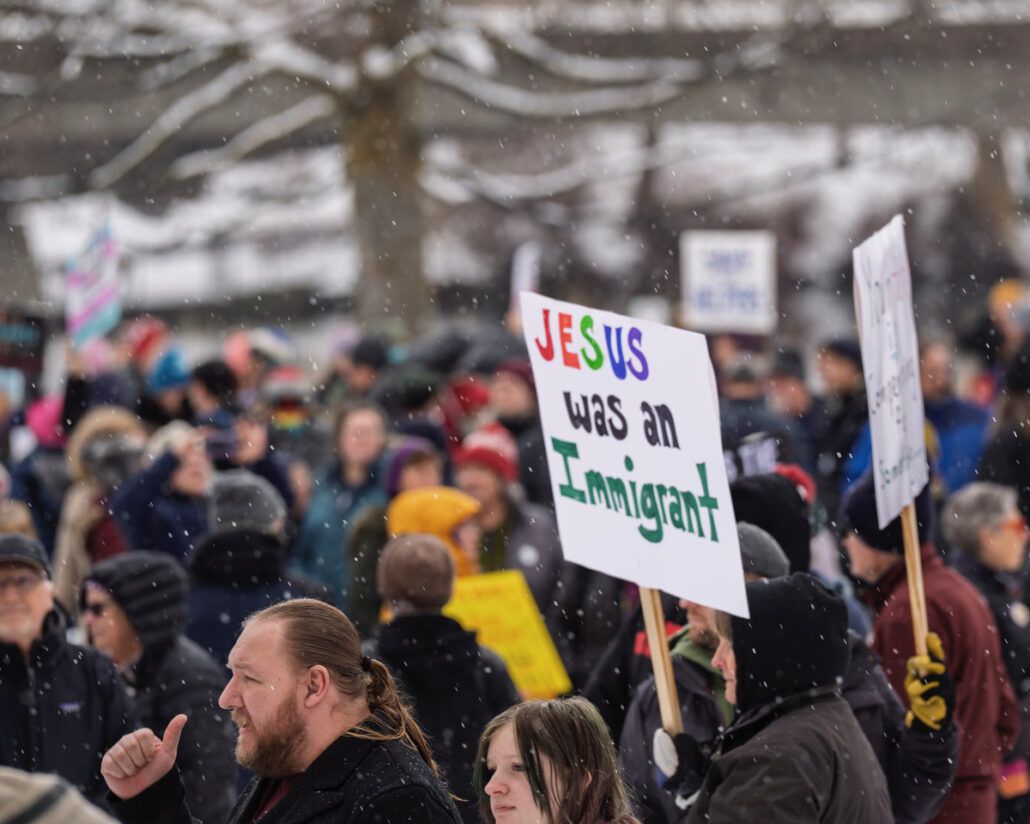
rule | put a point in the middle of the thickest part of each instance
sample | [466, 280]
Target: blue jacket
[152, 516]
[962, 432]
[320, 548]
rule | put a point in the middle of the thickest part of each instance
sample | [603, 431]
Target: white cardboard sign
[890, 360]
[634, 447]
[729, 281]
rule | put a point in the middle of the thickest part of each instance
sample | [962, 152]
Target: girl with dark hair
[550, 762]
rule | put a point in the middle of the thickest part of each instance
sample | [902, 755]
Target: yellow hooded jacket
[437, 511]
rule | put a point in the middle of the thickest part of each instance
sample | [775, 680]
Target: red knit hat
[492, 447]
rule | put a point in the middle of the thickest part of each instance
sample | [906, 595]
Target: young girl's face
[511, 797]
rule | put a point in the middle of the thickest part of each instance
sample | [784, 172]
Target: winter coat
[531, 544]
[1006, 461]
[44, 799]
[919, 766]
[534, 476]
[585, 613]
[985, 705]
[232, 575]
[755, 439]
[703, 720]
[834, 424]
[61, 710]
[179, 677]
[354, 781]
[40, 481]
[962, 434]
[799, 761]
[320, 548]
[456, 687]
[153, 516]
[626, 663]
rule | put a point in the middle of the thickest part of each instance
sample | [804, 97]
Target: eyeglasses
[96, 610]
[22, 584]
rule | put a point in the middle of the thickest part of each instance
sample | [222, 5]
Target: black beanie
[773, 503]
[795, 640]
[858, 515]
[151, 589]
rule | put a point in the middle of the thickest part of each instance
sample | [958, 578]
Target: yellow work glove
[931, 692]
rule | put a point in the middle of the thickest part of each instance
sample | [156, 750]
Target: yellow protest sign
[499, 607]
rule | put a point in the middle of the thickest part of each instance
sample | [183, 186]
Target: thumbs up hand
[140, 759]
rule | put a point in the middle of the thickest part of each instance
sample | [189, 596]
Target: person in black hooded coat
[240, 567]
[133, 607]
[795, 752]
[456, 686]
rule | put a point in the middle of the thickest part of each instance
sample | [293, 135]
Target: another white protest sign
[634, 447]
[729, 281]
[890, 360]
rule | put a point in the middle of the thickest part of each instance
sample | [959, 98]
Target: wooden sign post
[661, 661]
[914, 572]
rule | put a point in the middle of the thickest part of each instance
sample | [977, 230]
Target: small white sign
[890, 360]
[729, 281]
[631, 424]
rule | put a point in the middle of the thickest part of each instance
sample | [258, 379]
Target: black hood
[426, 646]
[242, 558]
[795, 640]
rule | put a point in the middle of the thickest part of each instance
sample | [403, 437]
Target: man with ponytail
[320, 724]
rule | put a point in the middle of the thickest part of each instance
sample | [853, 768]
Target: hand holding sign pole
[634, 448]
[890, 361]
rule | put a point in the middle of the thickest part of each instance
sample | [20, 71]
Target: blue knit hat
[170, 372]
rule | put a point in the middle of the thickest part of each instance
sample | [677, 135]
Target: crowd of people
[223, 590]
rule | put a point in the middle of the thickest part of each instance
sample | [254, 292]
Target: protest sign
[22, 341]
[93, 307]
[634, 447]
[729, 281]
[890, 361]
[499, 607]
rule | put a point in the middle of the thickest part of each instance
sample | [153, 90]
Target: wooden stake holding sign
[890, 363]
[661, 661]
[914, 572]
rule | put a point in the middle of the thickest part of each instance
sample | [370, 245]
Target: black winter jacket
[62, 710]
[802, 760]
[232, 575]
[919, 767]
[456, 687]
[179, 677]
[354, 781]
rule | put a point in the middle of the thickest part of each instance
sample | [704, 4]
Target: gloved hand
[680, 762]
[931, 691]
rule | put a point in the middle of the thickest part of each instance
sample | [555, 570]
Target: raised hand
[141, 759]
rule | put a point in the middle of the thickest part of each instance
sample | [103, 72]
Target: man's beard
[276, 750]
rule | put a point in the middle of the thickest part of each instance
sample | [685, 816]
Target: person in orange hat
[444, 513]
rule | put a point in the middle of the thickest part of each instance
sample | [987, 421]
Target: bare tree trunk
[383, 166]
[990, 194]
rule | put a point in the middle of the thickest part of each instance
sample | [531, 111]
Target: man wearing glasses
[61, 705]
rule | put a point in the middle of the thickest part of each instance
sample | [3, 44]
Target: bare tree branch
[254, 137]
[185, 109]
[586, 69]
[545, 105]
